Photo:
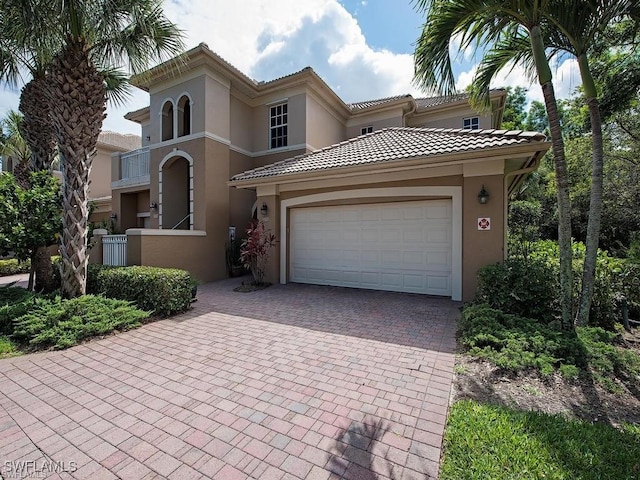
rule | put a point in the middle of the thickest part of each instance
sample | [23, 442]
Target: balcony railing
[134, 164]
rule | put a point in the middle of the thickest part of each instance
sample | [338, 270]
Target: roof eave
[531, 149]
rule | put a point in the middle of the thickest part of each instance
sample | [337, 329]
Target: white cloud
[566, 77]
[267, 40]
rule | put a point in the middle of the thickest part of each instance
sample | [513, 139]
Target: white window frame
[284, 119]
[471, 123]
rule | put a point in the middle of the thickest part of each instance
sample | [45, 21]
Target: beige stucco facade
[194, 150]
[458, 178]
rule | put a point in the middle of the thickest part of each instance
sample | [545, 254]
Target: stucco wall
[323, 128]
[481, 248]
[100, 177]
[296, 122]
[241, 121]
[195, 87]
[188, 251]
[478, 247]
[377, 124]
[448, 119]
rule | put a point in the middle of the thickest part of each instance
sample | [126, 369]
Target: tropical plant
[90, 39]
[511, 31]
[29, 218]
[255, 250]
[574, 27]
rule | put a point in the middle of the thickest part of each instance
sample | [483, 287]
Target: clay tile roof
[354, 107]
[427, 102]
[391, 144]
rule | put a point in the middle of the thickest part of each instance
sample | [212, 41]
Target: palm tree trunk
[595, 202]
[37, 130]
[562, 183]
[77, 98]
[36, 127]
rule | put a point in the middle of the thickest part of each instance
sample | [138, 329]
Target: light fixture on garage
[153, 206]
[113, 216]
[264, 209]
[483, 196]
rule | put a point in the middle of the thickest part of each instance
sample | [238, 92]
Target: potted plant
[233, 248]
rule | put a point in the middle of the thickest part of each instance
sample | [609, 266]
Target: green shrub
[163, 291]
[12, 266]
[59, 323]
[516, 344]
[530, 287]
[527, 288]
[14, 302]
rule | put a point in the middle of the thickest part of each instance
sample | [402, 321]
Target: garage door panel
[404, 246]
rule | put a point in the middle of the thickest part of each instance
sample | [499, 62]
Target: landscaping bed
[579, 398]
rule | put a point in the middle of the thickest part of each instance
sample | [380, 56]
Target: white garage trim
[455, 193]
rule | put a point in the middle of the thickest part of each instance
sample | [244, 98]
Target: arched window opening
[167, 121]
[184, 116]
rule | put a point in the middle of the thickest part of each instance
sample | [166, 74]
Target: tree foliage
[28, 218]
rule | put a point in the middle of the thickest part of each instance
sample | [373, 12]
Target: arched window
[184, 116]
[167, 120]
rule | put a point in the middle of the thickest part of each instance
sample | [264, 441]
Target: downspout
[522, 172]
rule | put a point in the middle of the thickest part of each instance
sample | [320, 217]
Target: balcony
[132, 168]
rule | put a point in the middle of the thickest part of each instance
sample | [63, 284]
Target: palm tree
[569, 27]
[95, 36]
[574, 29]
[490, 22]
[25, 49]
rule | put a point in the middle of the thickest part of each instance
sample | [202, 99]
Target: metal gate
[114, 250]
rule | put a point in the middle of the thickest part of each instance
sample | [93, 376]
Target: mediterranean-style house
[401, 193]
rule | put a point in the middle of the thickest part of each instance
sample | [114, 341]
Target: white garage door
[402, 246]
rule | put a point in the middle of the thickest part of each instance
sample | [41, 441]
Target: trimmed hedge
[163, 291]
[12, 266]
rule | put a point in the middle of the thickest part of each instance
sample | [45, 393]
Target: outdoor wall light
[153, 206]
[483, 196]
[264, 209]
[113, 216]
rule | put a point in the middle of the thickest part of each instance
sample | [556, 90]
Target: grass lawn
[492, 442]
[7, 347]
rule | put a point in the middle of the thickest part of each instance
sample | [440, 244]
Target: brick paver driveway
[293, 381]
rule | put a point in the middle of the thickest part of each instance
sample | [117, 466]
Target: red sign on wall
[484, 223]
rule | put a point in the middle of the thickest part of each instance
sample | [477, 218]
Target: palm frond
[512, 49]
[118, 86]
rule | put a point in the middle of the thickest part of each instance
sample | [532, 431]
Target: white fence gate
[114, 250]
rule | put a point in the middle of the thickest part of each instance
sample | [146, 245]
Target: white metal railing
[135, 163]
[188, 217]
[114, 250]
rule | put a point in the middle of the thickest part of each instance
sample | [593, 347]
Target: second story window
[471, 123]
[365, 130]
[167, 121]
[278, 118]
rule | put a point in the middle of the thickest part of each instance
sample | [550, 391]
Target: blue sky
[361, 48]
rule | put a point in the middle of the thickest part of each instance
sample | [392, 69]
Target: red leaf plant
[255, 250]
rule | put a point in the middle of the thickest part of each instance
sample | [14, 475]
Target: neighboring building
[390, 200]
[100, 176]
